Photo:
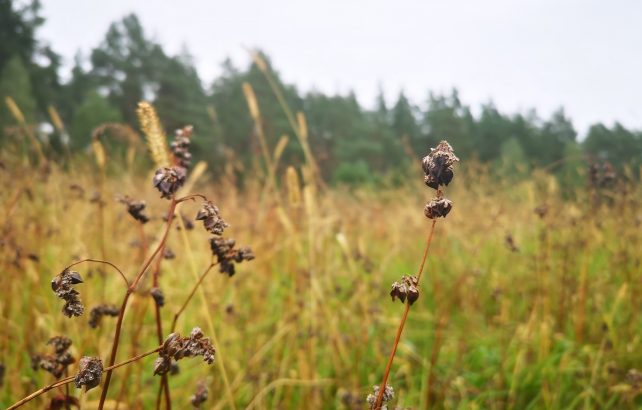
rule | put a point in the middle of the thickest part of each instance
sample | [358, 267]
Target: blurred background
[536, 82]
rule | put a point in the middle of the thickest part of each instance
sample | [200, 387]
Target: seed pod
[438, 208]
[169, 180]
[89, 373]
[438, 164]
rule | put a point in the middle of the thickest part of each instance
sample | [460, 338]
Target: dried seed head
[634, 378]
[90, 370]
[180, 146]
[200, 395]
[438, 164]
[63, 402]
[177, 347]
[541, 210]
[227, 254]
[168, 253]
[97, 313]
[62, 287]
[169, 180]
[438, 208]
[135, 209]
[388, 394]
[406, 288]
[158, 296]
[59, 361]
[211, 217]
[60, 344]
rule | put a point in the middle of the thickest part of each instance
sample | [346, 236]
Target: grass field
[531, 295]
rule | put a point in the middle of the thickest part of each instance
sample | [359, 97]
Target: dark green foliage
[350, 143]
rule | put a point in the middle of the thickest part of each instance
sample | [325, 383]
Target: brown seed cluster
[438, 208]
[200, 395]
[97, 313]
[438, 171]
[158, 296]
[180, 146]
[438, 165]
[62, 285]
[57, 362]
[177, 347]
[405, 288]
[169, 180]
[135, 209]
[601, 175]
[90, 370]
[227, 254]
[211, 217]
[224, 249]
[388, 394]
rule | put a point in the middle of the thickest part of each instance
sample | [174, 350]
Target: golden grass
[308, 324]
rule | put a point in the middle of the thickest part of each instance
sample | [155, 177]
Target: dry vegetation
[530, 297]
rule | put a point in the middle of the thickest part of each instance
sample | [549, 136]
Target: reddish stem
[130, 290]
[404, 317]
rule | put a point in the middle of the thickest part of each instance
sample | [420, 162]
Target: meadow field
[530, 297]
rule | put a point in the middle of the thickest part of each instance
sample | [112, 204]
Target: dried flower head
[168, 253]
[438, 207]
[406, 288]
[62, 287]
[200, 395]
[158, 296]
[61, 402]
[211, 217]
[135, 209]
[97, 313]
[177, 347]
[180, 146]
[388, 394]
[438, 164]
[90, 370]
[169, 180]
[57, 362]
[227, 254]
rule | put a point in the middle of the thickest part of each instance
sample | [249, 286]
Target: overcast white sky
[585, 55]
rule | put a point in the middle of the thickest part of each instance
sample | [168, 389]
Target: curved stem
[192, 197]
[191, 295]
[70, 379]
[122, 275]
[130, 290]
[404, 317]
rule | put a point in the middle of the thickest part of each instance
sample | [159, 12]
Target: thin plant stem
[130, 290]
[67, 380]
[122, 275]
[404, 317]
[163, 385]
[191, 295]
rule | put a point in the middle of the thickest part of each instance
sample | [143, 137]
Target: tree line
[351, 143]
